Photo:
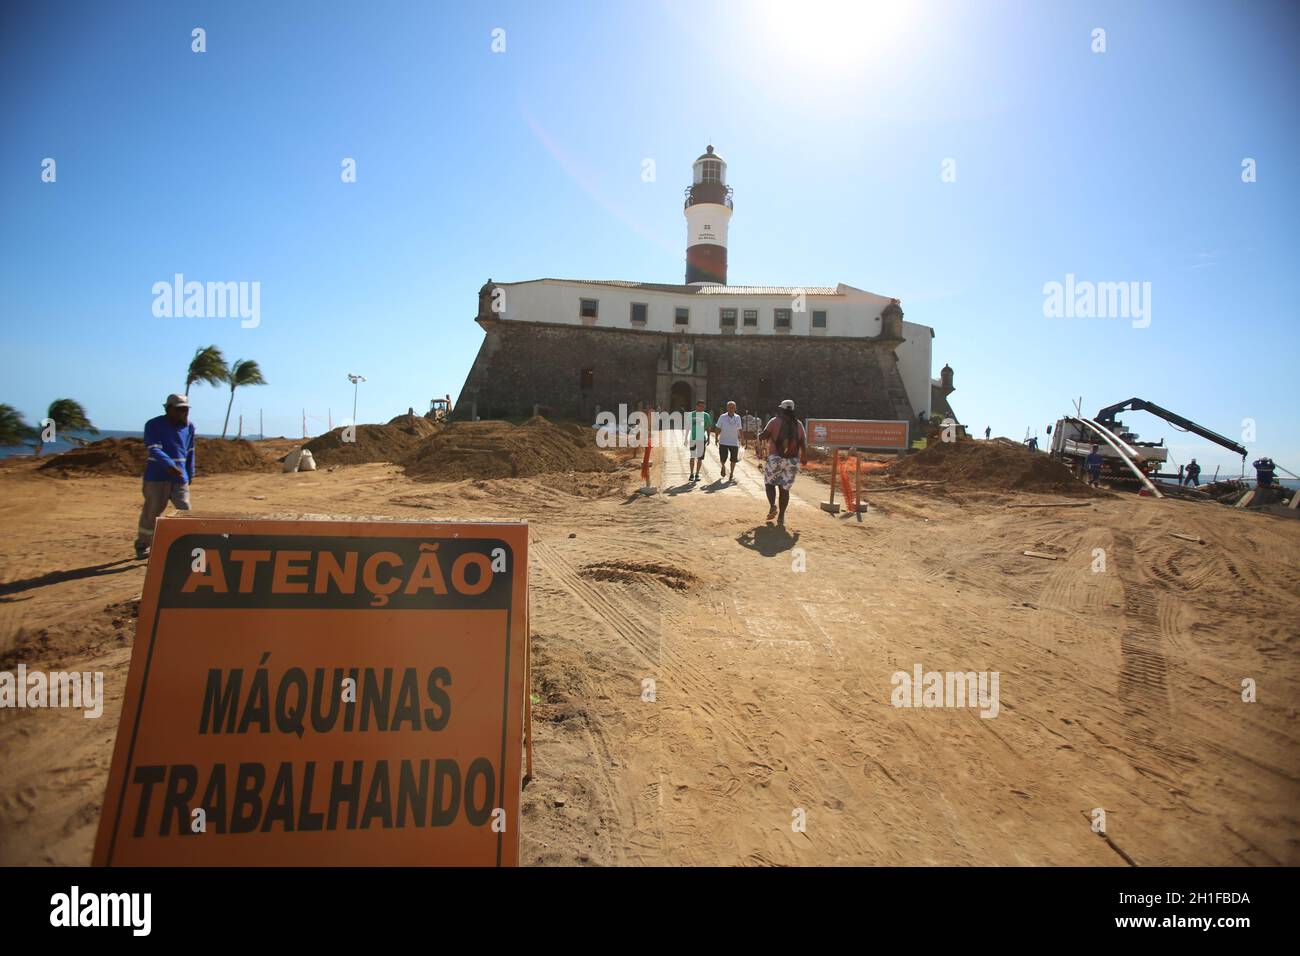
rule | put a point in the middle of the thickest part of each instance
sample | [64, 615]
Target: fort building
[569, 347]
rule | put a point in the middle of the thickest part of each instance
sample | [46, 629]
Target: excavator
[439, 409]
[1072, 440]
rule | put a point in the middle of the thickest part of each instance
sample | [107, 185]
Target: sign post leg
[830, 506]
[857, 489]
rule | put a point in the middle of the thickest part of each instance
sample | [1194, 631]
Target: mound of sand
[415, 425]
[501, 450]
[126, 456]
[991, 466]
[391, 442]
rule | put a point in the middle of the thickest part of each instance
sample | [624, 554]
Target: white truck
[1072, 441]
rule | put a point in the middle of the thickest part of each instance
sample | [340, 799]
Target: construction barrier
[645, 460]
[846, 485]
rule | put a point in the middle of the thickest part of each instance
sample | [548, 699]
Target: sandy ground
[771, 651]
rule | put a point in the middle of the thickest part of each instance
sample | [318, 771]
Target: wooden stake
[857, 484]
[830, 506]
[835, 472]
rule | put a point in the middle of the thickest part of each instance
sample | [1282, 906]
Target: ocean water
[56, 447]
[1285, 483]
[1280, 479]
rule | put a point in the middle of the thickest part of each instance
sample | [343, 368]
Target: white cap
[788, 404]
[177, 401]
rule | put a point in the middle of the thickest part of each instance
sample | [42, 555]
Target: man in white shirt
[728, 429]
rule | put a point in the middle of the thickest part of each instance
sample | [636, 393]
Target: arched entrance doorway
[679, 399]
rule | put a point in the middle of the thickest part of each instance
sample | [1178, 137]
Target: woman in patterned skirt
[787, 446]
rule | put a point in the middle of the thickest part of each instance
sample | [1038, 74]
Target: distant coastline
[60, 446]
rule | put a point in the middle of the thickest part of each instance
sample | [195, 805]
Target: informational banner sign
[857, 433]
[323, 693]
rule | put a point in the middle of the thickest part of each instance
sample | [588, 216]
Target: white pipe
[1132, 452]
[1110, 439]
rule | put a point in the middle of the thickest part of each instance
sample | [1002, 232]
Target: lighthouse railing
[725, 200]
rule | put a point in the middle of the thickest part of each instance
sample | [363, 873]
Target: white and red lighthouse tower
[708, 213]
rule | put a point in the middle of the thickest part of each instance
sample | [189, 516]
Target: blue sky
[835, 119]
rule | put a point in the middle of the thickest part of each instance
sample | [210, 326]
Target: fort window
[751, 317]
[589, 307]
[819, 320]
[727, 318]
[639, 313]
[586, 379]
[781, 318]
[682, 317]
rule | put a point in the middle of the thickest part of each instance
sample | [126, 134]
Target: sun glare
[833, 36]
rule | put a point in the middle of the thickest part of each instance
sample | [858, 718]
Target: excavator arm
[1107, 417]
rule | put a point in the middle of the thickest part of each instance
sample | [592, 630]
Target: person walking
[1193, 473]
[699, 424]
[1093, 463]
[987, 432]
[169, 467]
[728, 431]
[787, 449]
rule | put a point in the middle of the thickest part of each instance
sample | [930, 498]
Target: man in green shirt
[698, 425]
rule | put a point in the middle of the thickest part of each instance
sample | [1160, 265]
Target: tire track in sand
[1144, 671]
[668, 672]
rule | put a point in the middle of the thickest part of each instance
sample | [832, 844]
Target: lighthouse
[708, 212]
[575, 346]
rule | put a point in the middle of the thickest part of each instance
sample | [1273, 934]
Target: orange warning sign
[857, 433]
[323, 693]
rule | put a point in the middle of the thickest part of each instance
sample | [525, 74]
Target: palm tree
[242, 372]
[67, 416]
[13, 429]
[208, 365]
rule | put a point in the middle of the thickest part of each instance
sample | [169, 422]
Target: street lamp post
[356, 380]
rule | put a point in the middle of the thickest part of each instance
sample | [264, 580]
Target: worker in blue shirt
[169, 468]
[1093, 462]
